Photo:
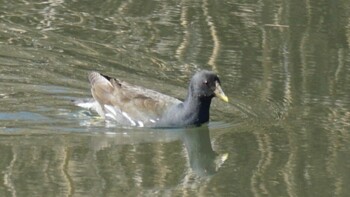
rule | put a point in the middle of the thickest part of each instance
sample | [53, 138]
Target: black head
[206, 84]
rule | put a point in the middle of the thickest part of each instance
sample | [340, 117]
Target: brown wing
[139, 103]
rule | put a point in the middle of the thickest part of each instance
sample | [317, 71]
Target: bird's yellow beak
[219, 93]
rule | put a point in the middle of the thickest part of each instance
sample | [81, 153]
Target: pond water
[284, 65]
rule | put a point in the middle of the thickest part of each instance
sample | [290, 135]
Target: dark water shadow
[202, 158]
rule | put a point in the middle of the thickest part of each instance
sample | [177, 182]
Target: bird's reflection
[202, 158]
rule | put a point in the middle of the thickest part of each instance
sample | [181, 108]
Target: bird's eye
[205, 82]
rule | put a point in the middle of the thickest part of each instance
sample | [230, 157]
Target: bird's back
[128, 104]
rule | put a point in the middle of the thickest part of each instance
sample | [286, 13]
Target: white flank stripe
[127, 117]
[110, 116]
[111, 109]
[140, 123]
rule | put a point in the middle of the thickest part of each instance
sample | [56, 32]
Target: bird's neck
[199, 108]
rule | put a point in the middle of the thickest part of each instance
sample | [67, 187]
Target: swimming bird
[132, 105]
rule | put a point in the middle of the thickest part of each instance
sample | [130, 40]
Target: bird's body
[132, 105]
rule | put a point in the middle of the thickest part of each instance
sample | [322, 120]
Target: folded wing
[128, 104]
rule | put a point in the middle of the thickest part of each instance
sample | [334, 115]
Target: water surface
[284, 65]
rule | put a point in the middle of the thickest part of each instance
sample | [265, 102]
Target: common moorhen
[137, 106]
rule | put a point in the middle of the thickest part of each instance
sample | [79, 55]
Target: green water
[285, 66]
